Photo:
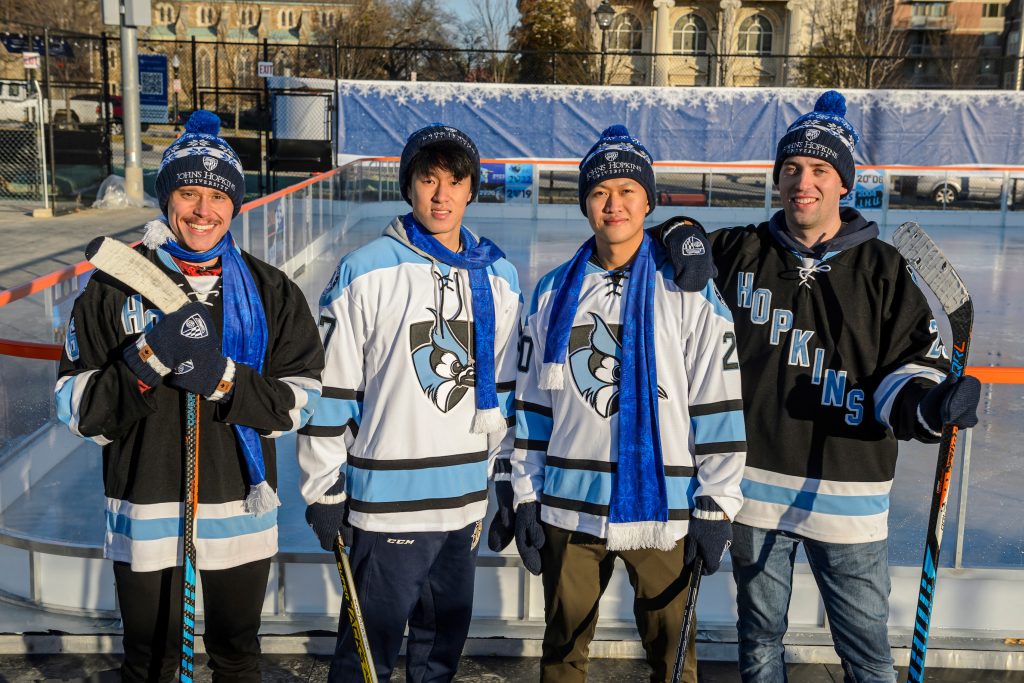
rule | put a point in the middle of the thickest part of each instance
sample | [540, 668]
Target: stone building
[746, 42]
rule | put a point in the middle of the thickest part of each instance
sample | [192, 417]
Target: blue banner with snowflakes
[913, 127]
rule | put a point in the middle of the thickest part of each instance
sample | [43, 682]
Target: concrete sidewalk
[313, 669]
[31, 247]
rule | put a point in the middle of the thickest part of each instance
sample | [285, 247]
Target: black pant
[150, 605]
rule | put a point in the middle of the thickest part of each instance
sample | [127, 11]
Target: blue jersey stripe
[333, 412]
[63, 401]
[171, 527]
[307, 411]
[595, 487]
[719, 427]
[505, 401]
[387, 486]
[822, 503]
[531, 426]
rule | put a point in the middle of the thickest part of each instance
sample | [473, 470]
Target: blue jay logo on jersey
[441, 350]
[594, 359]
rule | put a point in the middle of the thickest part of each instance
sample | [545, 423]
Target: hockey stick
[688, 612]
[133, 269]
[931, 266]
[355, 613]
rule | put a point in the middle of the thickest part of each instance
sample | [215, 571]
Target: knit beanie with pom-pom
[823, 134]
[201, 157]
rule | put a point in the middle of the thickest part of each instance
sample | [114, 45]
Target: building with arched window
[711, 42]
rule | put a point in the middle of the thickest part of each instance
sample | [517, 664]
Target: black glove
[529, 535]
[179, 336]
[328, 518]
[688, 246]
[709, 535]
[503, 526]
[953, 402]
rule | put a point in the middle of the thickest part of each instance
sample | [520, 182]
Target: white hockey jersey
[399, 394]
[566, 441]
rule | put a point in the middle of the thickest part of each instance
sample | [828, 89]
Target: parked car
[944, 190]
[18, 103]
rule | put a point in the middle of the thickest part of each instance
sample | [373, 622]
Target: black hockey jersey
[143, 434]
[835, 351]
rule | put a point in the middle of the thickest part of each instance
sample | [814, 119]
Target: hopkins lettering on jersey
[135, 317]
[833, 381]
[594, 359]
[441, 349]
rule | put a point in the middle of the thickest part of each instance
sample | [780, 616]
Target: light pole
[604, 15]
[176, 86]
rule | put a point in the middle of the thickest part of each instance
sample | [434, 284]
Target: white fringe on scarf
[640, 535]
[157, 233]
[262, 498]
[552, 376]
[487, 421]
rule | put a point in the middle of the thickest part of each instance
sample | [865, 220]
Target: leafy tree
[548, 34]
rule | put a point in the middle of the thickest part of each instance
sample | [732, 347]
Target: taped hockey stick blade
[133, 269]
[931, 265]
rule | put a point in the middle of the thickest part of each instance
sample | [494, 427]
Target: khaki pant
[576, 571]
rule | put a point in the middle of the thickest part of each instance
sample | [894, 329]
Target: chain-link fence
[21, 172]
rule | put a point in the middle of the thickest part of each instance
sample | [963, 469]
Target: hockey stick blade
[688, 618]
[355, 613]
[133, 269]
[931, 266]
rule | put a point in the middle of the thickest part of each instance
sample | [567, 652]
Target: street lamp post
[604, 15]
[176, 86]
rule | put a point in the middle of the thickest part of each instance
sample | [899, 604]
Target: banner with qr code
[153, 88]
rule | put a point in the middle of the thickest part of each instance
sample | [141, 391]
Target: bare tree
[860, 47]
[488, 29]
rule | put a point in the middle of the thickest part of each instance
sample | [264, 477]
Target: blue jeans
[854, 583]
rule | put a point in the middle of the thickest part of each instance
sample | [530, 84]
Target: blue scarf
[638, 510]
[244, 340]
[474, 259]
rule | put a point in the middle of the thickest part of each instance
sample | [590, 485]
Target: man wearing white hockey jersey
[421, 326]
[629, 424]
[841, 357]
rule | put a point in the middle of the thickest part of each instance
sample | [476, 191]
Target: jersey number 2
[729, 359]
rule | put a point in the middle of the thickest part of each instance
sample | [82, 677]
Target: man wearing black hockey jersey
[420, 338]
[840, 358]
[248, 347]
[623, 445]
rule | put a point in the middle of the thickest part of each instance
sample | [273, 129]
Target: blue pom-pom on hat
[203, 122]
[831, 102]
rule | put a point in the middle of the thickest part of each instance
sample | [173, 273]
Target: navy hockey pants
[424, 579]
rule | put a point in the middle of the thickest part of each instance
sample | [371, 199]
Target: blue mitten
[503, 527]
[329, 515]
[207, 373]
[177, 337]
[953, 402]
[688, 246]
[529, 536]
[709, 535]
